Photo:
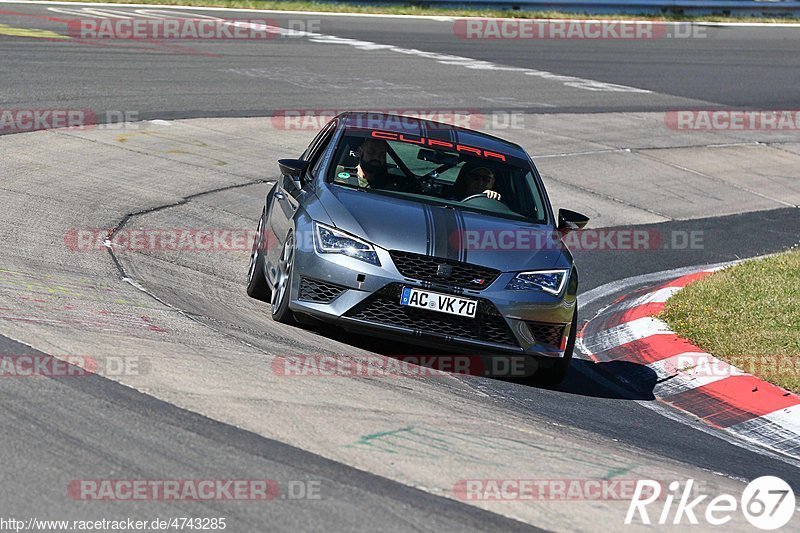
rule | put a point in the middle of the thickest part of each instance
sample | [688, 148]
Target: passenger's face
[372, 157]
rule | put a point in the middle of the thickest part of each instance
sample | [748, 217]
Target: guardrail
[736, 7]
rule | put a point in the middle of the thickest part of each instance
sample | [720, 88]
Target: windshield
[460, 179]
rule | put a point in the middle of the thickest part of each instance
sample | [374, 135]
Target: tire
[257, 286]
[556, 374]
[283, 284]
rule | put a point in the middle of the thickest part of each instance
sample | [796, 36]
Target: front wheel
[283, 284]
[257, 286]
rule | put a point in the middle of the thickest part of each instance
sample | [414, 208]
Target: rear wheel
[257, 286]
[283, 284]
[557, 373]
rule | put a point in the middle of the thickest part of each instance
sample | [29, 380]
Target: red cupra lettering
[443, 144]
[476, 151]
[385, 135]
[389, 136]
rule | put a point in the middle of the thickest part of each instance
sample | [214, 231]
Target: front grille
[426, 268]
[546, 333]
[383, 307]
[313, 290]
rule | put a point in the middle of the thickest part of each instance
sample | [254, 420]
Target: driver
[372, 171]
[477, 180]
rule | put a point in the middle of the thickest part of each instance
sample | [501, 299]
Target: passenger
[372, 171]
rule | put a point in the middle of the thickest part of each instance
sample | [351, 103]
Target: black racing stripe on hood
[427, 211]
[459, 236]
[445, 242]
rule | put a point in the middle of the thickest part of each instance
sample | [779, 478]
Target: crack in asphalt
[209, 322]
[194, 317]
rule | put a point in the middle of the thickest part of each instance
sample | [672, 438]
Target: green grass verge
[747, 315]
[417, 9]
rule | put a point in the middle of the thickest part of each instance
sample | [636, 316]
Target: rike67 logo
[768, 503]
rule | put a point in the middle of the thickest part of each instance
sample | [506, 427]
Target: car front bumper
[365, 298]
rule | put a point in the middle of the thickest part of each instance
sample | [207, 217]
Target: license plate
[442, 303]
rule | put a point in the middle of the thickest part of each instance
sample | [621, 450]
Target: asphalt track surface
[95, 428]
[752, 68]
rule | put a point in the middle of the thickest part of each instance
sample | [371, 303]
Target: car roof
[429, 128]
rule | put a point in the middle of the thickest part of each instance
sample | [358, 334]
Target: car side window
[322, 159]
[320, 143]
[317, 160]
[533, 205]
[310, 149]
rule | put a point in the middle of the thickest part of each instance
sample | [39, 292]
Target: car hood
[411, 226]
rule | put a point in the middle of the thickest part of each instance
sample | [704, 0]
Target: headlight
[551, 281]
[328, 240]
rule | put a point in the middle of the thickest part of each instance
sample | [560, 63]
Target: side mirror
[294, 168]
[570, 220]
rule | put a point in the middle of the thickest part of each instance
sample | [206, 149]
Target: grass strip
[747, 315]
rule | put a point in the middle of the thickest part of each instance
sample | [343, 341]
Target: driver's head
[372, 157]
[478, 179]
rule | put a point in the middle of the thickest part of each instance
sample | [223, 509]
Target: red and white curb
[685, 377]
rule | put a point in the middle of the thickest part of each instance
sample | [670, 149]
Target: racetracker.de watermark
[26, 120]
[399, 118]
[552, 29]
[193, 490]
[546, 489]
[22, 120]
[705, 365]
[209, 240]
[594, 240]
[733, 120]
[403, 366]
[192, 29]
[67, 366]
[162, 239]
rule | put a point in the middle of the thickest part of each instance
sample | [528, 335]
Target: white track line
[620, 334]
[659, 296]
[607, 289]
[778, 431]
[736, 439]
[444, 59]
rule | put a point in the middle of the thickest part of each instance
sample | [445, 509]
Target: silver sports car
[411, 229]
